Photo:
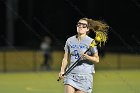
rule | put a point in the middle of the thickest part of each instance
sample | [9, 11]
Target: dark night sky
[59, 18]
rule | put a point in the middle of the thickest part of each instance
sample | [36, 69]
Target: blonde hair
[99, 27]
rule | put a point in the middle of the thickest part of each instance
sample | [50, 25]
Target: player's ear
[88, 29]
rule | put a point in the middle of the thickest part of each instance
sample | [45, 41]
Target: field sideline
[105, 81]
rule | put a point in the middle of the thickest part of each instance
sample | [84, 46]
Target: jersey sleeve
[66, 47]
[94, 50]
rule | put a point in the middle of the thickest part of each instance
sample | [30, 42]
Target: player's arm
[64, 64]
[94, 58]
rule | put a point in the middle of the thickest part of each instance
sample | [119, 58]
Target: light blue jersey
[81, 77]
[75, 48]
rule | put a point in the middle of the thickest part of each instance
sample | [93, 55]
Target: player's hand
[84, 56]
[61, 75]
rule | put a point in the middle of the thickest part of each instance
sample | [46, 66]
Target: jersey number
[76, 54]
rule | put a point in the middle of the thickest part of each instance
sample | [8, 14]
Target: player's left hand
[84, 56]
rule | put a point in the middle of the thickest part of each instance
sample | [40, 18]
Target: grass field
[105, 81]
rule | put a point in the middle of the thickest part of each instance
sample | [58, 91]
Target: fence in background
[31, 60]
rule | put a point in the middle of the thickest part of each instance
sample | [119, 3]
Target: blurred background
[25, 24]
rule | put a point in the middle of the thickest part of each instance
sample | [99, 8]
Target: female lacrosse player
[80, 79]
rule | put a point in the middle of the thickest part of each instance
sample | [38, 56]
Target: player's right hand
[61, 75]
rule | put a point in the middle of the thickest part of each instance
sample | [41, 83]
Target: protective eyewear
[83, 25]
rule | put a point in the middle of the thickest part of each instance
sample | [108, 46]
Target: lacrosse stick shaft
[72, 66]
[93, 43]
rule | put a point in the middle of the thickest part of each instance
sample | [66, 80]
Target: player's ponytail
[99, 27]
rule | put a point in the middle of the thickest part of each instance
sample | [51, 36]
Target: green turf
[108, 81]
